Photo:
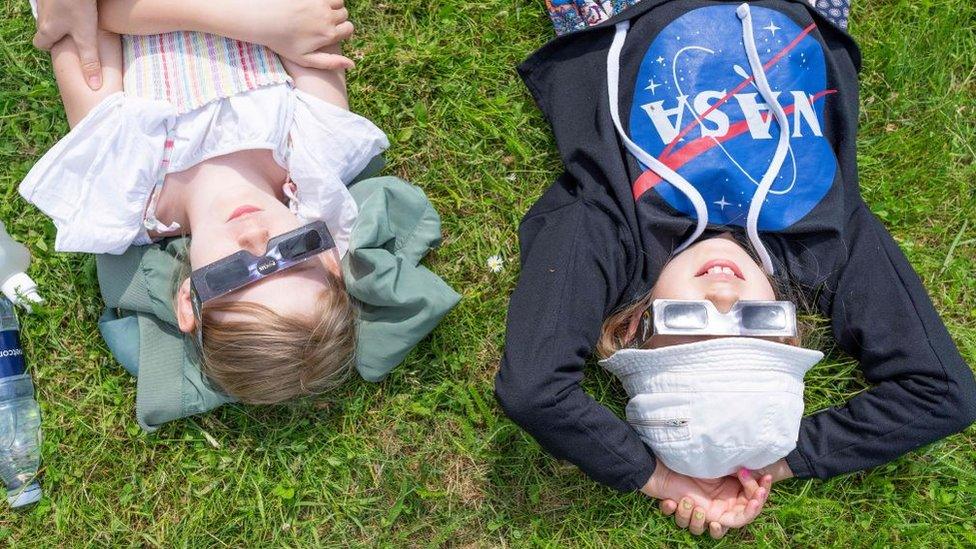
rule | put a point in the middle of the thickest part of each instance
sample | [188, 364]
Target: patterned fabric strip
[573, 15]
[191, 69]
[837, 11]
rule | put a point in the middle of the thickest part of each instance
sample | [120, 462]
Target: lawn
[426, 458]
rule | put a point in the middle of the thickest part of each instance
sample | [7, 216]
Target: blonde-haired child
[245, 143]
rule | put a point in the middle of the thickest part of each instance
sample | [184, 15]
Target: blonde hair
[617, 332]
[270, 358]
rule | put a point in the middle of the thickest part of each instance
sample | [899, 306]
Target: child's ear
[185, 318]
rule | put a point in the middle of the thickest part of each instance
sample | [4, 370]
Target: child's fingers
[751, 512]
[340, 14]
[326, 61]
[742, 515]
[753, 508]
[697, 524]
[683, 514]
[91, 65]
[668, 507]
[345, 30]
[761, 495]
[749, 483]
[765, 487]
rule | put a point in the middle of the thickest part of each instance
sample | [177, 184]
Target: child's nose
[723, 298]
[254, 241]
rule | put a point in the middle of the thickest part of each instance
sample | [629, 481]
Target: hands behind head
[715, 505]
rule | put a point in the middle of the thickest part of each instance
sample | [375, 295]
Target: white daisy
[495, 263]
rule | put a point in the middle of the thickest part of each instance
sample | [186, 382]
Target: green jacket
[401, 301]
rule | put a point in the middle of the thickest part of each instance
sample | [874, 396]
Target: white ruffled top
[97, 181]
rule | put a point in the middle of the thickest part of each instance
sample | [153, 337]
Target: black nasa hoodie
[678, 119]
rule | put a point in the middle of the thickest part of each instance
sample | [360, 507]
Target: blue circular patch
[697, 109]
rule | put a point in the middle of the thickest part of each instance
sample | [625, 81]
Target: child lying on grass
[709, 152]
[246, 143]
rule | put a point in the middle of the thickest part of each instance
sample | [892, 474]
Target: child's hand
[719, 504]
[78, 19]
[302, 31]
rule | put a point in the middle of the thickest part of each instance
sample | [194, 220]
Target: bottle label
[11, 355]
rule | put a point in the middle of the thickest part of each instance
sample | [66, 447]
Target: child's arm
[77, 96]
[327, 85]
[881, 315]
[297, 30]
[552, 328]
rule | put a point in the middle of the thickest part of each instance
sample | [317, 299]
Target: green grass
[427, 457]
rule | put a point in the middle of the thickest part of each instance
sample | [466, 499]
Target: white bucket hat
[708, 408]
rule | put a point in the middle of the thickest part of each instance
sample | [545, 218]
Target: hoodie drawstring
[782, 148]
[667, 174]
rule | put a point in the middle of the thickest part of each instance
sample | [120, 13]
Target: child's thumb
[91, 66]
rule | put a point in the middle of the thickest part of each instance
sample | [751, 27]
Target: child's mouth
[242, 211]
[722, 269]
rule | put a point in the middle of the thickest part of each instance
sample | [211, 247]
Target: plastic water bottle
[20, 417]
[14, 283]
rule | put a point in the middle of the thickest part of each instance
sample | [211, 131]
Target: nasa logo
[697, 109]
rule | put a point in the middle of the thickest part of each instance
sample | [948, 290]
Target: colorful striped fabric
[191, 69]
[573, 15]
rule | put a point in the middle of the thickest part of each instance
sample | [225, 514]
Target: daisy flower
[495, 263]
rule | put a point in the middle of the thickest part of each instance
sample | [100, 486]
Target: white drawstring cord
[149, 220]
[290, 189]
[679, 182]
[782, 148]
[655, 165]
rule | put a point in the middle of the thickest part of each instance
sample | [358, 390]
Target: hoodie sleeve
[573, 273]
[922, 389]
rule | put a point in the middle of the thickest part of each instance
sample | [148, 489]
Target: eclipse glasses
[745, 318]
[243, 268]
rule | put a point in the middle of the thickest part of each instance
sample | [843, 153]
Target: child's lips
[242, 211]
[720, 269]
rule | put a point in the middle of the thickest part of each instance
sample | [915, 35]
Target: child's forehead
[293, 293]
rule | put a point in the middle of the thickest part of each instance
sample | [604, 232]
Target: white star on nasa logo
[722, 203]
[653, 86]
[660, 60]
[771, 27]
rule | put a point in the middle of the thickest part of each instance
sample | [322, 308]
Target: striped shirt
[191, 69]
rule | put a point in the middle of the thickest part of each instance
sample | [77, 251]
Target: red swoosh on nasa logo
[769, 64]
[692, 150]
